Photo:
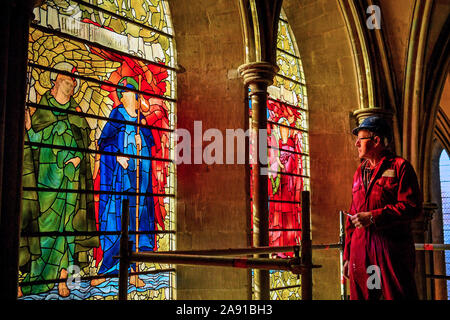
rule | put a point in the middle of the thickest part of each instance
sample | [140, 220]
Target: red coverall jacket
[394, 198]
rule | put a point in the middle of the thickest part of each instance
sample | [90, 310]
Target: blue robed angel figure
[118, 173]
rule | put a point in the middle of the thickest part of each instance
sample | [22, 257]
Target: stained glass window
[99, 124]
[288, 155]
[444, 169]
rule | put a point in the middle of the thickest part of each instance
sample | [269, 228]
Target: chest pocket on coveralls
[386, 188]
[358, 195]
[356, 186]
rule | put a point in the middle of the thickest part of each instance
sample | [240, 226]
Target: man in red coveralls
[379, 255]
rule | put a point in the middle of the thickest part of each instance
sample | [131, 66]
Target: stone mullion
[257, 77]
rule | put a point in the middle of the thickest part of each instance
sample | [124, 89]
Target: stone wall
[212, 200]
[332, 95]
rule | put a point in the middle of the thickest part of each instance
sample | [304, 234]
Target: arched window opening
[444, 169]
[100, 109]
[288, 152]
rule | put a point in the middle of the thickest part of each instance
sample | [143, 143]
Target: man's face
[365, 144]
[284, 132]
[66, 84]
[129, 100]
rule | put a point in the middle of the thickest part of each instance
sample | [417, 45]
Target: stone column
[419, 228]
[258, 76]
[15, 19]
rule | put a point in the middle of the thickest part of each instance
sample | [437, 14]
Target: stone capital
[258, 72]
[361, 114]
[421, 224]
[429, 208]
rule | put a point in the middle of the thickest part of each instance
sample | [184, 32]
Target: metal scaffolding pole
[341, 254]
[125, 249]
[294, 264]
[298, 265]
[251, 250]
[432, 246]
[235, 251]
[306, 250]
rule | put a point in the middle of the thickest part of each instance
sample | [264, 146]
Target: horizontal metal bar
[100, 46]
[105, 276]
[326, 246]
[286, 126]
[251, 250]
[290, 79]
[286, 287]
[288, 53]
[289, 151]
[285, 201]
[292, 265]
[287, 104]
[432, 246]
[89, 233]
[254, 263]
[288, 174]
[100, 82]
[437, 276]
[234, 251]
[86, 150]
[86, 191]
[117, 16]
[94, 116]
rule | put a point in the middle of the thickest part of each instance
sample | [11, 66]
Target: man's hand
[345, 267]
[361, 219]
[27, 119]
[137, 137]
[75, 161]
[123, 161]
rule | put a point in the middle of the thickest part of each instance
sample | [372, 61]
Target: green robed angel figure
[49, 257]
